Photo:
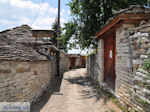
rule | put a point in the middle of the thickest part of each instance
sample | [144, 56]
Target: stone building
[76, 61]
[123, 51]
[27, 65]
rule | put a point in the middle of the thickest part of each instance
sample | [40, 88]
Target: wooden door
[72, 62]
[109, 61]
[83, 61]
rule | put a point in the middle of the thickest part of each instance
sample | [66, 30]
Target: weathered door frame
[107, 71]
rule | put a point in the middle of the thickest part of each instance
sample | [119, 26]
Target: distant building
[76, 61]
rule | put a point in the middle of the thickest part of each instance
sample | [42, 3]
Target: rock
[136, 46]
[139, 34]
[136, 87]
[144, 39]
[142, 51]
[136, 65]
[148, 82]
[148, 29]
[143, 56]
[137, 52]
[144, 46]
[143, 71]
[135, 56]
[141, 74]
[129, 109]
[146, 91]
[148, 51]
[143, 22]
[138, 61]
[145, 35]
[131, 32]
[136, 35]
[136, 78]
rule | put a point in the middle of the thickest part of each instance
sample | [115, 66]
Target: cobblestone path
[77, 94]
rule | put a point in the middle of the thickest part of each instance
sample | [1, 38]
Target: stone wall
[64, 63]
[140, 41]
[92, 66]
[100, 60]
[132, 46]
[95, 63]
[124, 70]
[24, 80]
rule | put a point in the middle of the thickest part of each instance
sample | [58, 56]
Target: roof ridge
[10, 29]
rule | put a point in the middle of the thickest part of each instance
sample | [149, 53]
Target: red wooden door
[72, 62]
[109, 61]
[83, 61]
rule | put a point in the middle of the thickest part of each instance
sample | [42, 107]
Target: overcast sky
[17, 12]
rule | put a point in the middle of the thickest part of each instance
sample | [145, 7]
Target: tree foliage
[69, 31]
[64, 39]
[54, 39]
[54, 27]
[88, 16]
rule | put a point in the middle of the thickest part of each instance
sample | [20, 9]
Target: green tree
[54, 27]
[69, 30]
[88, 16]
[63, 41]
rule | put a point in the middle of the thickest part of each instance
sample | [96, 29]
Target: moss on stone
[143, 102]
[146, 65]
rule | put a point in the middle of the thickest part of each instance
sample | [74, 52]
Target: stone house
[123, 48]
[27, 65]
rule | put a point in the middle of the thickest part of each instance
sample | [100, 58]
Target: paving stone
[77, 95]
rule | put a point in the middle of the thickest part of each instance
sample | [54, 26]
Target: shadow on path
[91, 89]
[53, 88]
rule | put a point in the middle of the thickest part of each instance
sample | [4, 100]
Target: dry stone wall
[132, 49]
[140, 41]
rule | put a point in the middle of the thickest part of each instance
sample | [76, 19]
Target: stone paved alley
[77, 93]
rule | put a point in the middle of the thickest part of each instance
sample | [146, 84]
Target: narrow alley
[77, 93]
